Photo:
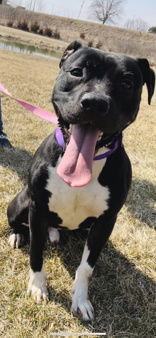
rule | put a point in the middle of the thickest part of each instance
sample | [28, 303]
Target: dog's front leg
[37, 283]
[98, 235]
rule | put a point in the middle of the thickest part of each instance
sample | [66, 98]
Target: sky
[132, 9]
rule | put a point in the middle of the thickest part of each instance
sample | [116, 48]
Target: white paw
[54, 235]
[39, 294]
[82, 308]
[15, 240]
[37, 287]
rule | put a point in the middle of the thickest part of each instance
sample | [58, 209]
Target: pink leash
[35, 110]
[52, 118]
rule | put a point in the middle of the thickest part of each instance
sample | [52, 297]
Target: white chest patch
[74, 205]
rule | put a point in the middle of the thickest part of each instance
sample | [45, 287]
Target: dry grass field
[122, 288]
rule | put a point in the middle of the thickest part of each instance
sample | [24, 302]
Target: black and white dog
[81, 174]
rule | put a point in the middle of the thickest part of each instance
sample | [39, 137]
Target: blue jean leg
[1, 121]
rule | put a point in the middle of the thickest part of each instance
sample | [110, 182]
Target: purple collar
[116, 144]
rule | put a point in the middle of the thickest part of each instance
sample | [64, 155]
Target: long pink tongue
[75, 167]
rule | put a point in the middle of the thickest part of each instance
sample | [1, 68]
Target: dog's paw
[54, 235]
[83, 309]
[37, 287]
[81, 306]
[16, 240]
[39, 294]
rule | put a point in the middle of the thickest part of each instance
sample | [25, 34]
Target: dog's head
[98, 94]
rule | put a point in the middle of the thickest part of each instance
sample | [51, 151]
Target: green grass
[122, 288]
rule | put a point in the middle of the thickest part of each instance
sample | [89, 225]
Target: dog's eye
[127, 84]
[76, 72]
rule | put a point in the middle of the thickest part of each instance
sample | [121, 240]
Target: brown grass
[122, 289]
[111, 38]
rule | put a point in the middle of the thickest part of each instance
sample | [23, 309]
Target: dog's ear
[148, 77]
[73, 47]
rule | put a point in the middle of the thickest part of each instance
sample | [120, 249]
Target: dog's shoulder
[46, 156]
[49, 151]
[117, 175]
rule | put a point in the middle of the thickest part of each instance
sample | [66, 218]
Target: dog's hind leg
[17, 213]
[97, 237]
[38, 231]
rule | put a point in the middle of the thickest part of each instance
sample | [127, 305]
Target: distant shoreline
[30, 39]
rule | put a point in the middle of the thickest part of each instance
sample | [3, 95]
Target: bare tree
[40, 6]
[31, 4]
[44, 6]
[136, 24]
[28, 4]
[106, 10]
[81, 7]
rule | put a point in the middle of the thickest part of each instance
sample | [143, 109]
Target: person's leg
[1, 122]
[4, 142]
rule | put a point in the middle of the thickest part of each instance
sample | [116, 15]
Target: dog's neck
[111, 145]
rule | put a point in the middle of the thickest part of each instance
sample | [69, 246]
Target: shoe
[4, 142]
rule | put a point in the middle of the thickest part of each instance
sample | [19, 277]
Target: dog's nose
[91, 102]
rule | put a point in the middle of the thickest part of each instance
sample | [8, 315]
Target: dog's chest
[74, 205]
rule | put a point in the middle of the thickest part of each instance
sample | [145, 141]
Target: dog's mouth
[75, 167]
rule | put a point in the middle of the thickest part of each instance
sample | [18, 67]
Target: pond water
[26, 49]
